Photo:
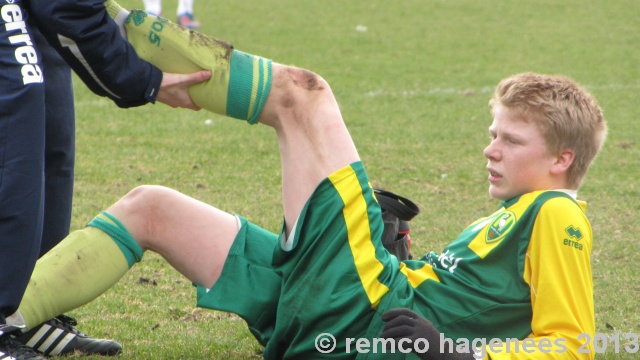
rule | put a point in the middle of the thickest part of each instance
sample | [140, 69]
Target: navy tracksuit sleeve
[90, 42]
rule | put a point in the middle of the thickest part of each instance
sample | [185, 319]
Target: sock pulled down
[80, 268]
[240, 82]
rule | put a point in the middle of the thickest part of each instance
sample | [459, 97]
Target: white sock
[16, 319]
[153, 6]
[185, 6]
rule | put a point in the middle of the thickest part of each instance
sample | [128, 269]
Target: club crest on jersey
[500, 227]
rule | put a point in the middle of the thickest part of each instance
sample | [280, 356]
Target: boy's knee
[296, 88]
[142, 202]
[306, 80]
[142, 211]
[296, 98]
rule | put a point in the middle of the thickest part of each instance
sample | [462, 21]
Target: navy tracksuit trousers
[37, 140]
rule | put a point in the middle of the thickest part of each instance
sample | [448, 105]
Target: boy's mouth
[493, 175]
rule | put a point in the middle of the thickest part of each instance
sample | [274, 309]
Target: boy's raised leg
[298, 104]
[240, 82]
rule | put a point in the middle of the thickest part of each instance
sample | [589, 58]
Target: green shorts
[330, 276]
[248, 285]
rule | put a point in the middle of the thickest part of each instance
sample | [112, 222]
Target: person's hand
[403, 323]
[174, 89]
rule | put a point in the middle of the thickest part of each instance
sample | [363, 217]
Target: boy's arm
[558, 270]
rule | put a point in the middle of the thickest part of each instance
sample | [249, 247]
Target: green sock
[240, 82]
[80, 268]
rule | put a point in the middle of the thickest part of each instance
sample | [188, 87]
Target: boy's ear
[563, 161]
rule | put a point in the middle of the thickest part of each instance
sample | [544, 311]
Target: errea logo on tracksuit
[25, 53]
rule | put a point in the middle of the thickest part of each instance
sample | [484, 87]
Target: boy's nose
[490, 151]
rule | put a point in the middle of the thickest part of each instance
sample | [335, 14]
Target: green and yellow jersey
[522, 272]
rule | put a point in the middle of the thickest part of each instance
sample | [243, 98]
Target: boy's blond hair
[568, 116]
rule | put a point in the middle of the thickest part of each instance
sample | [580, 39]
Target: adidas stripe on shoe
[10, 349]
[58, 336]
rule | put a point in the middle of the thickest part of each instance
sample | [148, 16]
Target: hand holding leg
[174, 89]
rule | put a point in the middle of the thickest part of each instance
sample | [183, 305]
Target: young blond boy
[545, 133]
[520, 273]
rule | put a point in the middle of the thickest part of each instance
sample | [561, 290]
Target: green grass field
[413, 89]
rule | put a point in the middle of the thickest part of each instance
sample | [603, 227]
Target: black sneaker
[58, 336]
[11, 349]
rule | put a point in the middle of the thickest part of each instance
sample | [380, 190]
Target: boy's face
[519, 161]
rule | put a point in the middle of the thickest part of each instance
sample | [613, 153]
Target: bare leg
[192, 236]
[314, 141]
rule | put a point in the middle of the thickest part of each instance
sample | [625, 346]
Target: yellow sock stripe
[254, 84]
[359, 234]
[266, 70]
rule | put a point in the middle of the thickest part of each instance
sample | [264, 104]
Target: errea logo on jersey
[575, 235]
[500, 227]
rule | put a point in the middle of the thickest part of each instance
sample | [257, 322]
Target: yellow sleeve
[558, 270]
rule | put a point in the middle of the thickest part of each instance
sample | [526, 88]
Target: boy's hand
[403, 323]
[174, 89]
